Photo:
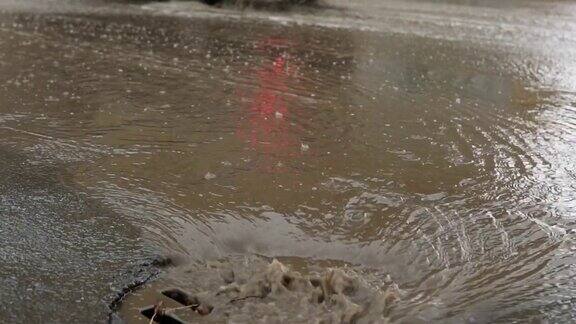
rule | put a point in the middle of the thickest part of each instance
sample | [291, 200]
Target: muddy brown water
[433, 142]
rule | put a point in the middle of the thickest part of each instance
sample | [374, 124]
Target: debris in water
[157, 312]
[209, 176]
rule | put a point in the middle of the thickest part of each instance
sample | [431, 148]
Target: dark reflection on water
[446, 164]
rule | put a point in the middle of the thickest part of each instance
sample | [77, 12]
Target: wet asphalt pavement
[62, 254]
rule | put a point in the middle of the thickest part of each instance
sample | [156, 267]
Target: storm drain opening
[157, 315]
[171, 301]
[161, 304]
[190, 302]
[182, 298]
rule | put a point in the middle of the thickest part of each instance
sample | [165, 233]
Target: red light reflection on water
[266, 123]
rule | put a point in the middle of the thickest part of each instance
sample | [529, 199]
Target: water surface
[429, 141]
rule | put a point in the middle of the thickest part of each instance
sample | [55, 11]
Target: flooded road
[432, 142]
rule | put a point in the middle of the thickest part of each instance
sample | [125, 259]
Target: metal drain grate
[160, 317]
[163, 306]
[181, 297]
